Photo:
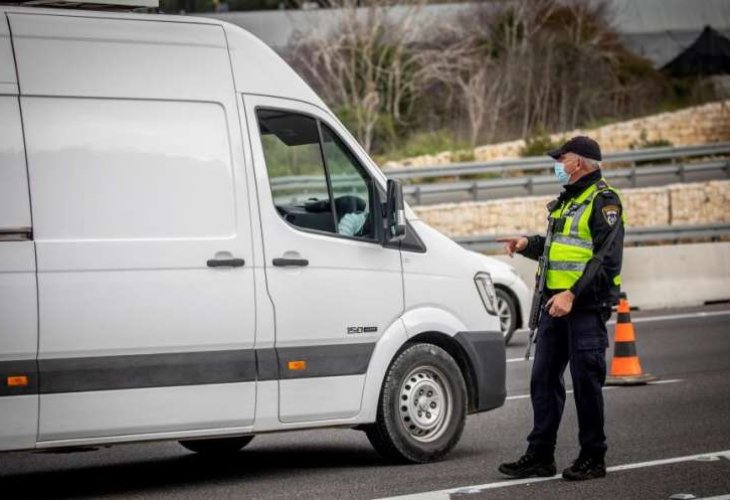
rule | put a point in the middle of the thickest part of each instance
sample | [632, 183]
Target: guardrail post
[727, 168]
[632, 175]
[417, 194]
[530, 186]
[474, 189]
[682, 172]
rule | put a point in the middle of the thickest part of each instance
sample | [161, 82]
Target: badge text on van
[354, 330]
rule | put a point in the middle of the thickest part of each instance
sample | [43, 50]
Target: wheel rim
[425, 404]
[503, 312]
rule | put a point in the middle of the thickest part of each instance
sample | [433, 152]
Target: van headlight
[485, 287]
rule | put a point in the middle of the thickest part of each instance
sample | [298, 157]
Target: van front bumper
[486, 353]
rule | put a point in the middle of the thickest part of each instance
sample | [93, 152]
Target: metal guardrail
[534, 169]
[530, 182]
[634, 236]
[542, 162]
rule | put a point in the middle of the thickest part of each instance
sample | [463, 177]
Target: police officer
[583, 282]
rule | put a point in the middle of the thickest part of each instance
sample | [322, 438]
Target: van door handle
[225, 262]
[282, 262]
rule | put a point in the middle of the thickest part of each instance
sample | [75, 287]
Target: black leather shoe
[530, 465]
[585, 467]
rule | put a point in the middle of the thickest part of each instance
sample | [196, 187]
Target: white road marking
[569, 391]
[445, 494]
[667, 381]
[606, 388]
[649, 319]
[518, 396]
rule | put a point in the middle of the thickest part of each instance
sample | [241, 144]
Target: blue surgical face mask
[561, 175]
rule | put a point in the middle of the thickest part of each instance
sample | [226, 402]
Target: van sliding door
[18, 306]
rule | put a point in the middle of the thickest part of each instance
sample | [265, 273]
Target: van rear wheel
[422, 407]
[217, 446]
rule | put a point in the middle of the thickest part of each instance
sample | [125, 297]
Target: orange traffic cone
[625, 367]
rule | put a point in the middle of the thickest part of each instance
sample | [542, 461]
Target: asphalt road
[686, 415]
[554, 188]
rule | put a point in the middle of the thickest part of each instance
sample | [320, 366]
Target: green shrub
[429, 143]
[463, 155]
[538, 145]
[643, 142]
[384, 132]
[600, 122]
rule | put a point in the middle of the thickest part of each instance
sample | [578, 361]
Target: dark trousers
[580, 339]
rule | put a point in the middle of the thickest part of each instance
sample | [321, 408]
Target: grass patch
[428, 143]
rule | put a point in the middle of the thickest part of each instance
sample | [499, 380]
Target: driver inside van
[355, 215]
[351, 224]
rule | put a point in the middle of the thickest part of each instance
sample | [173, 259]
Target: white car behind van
[193, 248]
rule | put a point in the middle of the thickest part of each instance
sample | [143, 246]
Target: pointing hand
[513, 244]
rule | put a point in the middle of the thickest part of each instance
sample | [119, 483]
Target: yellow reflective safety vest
[572, 243]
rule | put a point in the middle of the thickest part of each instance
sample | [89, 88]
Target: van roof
[88, 4]
[271, 75]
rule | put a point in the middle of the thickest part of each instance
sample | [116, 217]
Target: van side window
[351, 187]
[104, 169]
[316, 183]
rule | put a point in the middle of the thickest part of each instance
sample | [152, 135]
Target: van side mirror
[395, 213]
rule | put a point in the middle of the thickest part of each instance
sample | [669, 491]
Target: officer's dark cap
[580, 145]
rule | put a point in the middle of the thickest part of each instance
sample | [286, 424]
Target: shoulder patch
[611, 214]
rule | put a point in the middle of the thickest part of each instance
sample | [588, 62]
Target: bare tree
[489, 52]
[503, 69]
[366, 64]
[479, 84]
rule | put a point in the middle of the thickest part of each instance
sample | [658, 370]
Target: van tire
[404, 430]
[217, 446]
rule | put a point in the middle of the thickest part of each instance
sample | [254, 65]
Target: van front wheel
[217, 446]
[507, 312]
[422, 407]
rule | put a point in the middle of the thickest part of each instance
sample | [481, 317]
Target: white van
[193, 248]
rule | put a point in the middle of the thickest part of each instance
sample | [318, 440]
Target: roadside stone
[675, 204]
[703, 124]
